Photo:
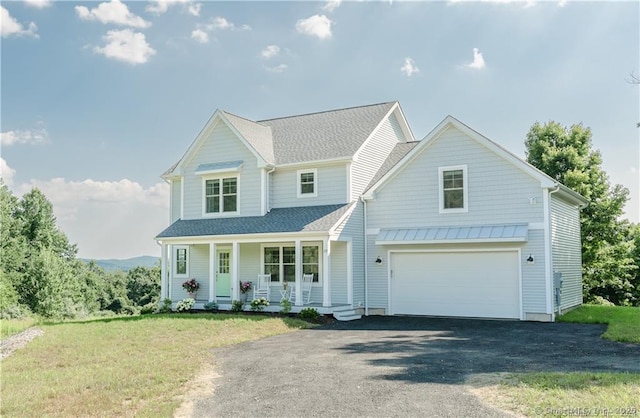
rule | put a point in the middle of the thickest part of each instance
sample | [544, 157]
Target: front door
[223, 273]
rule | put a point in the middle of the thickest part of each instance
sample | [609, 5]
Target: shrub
[16, 312]
[211, 306]
[185, 304]
[164, 306]
[237, 306]
[259, 304]
[285, 306]
[599, 300]
[147, 309]
[310, 314]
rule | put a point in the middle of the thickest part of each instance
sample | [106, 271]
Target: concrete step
[352, 317]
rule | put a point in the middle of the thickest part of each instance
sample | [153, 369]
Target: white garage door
[473, 284]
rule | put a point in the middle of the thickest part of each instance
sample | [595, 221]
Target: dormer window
[453, 189]
[307, 183]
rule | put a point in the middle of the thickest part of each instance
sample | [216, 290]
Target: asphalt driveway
[397, 366]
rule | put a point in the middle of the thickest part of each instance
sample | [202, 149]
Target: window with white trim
[307, 183]
[453, 189]
[220, 195]
[180, 261]
[280, 262]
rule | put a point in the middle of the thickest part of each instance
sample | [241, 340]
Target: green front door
[223, 273]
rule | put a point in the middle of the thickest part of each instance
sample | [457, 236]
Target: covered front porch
[219, 266]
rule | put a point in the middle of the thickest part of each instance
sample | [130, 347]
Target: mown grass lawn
[623, 321]
[134, 366]
[581, 394]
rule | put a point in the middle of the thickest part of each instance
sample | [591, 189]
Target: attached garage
[474, 283]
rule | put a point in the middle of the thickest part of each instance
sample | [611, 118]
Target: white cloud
[316, 25]
[478, 60]
[409, 67]
[34, 136]
[10, 26]
[200, 36]
[331, 5]
[161, 6]
[38, 4]
[6, 173]
[220, 23]
[114, 12]
[105, 217]
[270, 51]
[278, 68]
[126, 45]
[526, 3]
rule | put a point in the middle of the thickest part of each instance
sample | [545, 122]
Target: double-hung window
[280, 262]
[220, 195]
[181, 261]
[307, 183]
[453, 189]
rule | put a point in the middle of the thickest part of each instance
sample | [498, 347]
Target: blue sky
[99, 98]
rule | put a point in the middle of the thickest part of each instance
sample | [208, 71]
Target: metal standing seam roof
[281, 220]
[227, 165]
[454, 234]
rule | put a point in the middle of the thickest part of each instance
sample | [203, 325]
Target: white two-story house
[451, 225]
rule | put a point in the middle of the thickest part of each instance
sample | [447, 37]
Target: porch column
[326, 273]
[299, 301]
[212, 271]
[235, 273]
[164, 287]
[349, 273]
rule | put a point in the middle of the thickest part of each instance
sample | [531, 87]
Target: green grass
[623, 321]
[581, 394]
[13, 326]
[134, 366]
[563, 394]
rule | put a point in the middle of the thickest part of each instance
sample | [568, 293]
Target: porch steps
[346, 313]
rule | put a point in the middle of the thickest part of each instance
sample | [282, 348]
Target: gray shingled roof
[299, 219]
[311, 137]
[258, 135]
[397, 153]
[324, 135]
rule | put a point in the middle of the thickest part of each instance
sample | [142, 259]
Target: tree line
[40, 274]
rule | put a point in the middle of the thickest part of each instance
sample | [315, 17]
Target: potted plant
[191, 286]
[245, 287]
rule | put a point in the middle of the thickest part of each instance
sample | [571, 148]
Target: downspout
[366, 257]
[268, 188]
[549, 252]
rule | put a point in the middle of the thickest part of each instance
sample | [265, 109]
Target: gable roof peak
[327, 111]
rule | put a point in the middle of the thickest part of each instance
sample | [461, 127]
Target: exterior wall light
[530, 259]
[378, 260]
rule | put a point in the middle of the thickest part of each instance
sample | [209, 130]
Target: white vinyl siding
[534, 284]
[176, 192]
[566, 250]
[373, 154]
[352, 229]
[331, 183]
[222, 145]
[338, 272]
[498, 192]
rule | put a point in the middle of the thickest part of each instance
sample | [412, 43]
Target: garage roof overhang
[453, 234]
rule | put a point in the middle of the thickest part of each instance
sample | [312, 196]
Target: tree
[566, 155]
[143, 285]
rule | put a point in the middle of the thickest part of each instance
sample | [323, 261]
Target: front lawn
[133, 366]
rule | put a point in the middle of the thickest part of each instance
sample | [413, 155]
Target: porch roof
[279, 220]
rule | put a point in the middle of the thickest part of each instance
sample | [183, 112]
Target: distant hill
[125, 264]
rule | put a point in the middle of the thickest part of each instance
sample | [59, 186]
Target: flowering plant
[245, 287]
[191, 286]
[259, 304]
